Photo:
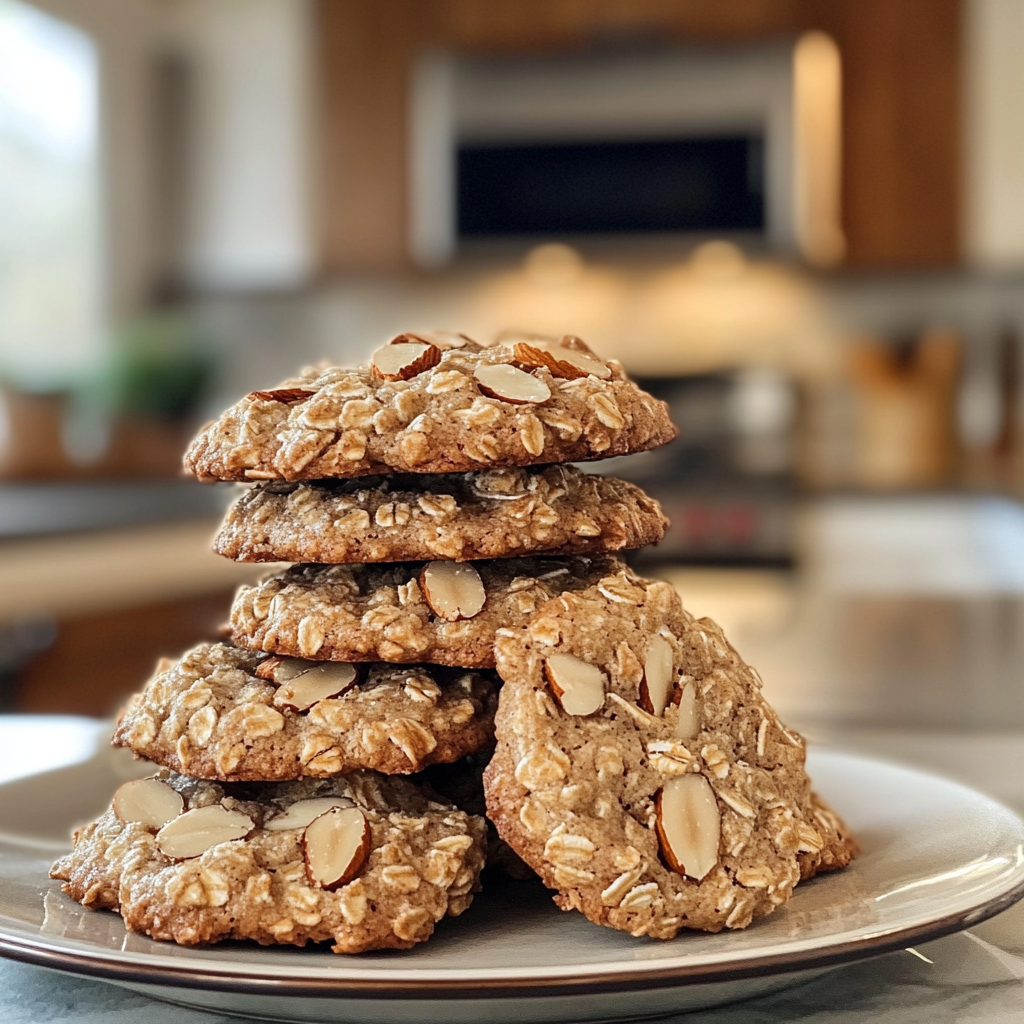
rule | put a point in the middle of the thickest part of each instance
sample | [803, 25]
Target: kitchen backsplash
[904, 381]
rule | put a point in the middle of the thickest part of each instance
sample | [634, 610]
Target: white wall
[994, 133]
[248, 175]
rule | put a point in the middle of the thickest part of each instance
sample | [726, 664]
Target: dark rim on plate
[69, 961]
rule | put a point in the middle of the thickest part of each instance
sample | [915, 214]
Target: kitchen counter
[971, 976]
[84, 573]
[45, 508]
[913, 659]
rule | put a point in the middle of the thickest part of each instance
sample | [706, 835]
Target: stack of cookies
[439, 533]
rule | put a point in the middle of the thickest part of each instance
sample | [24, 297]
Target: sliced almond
[148, 802]
[562, 362]
[280, 670]
[510, 384]
[287, 395]
[303, 812]
[578, 686]
[656, 685]
[323, 680]
[689, 825]
[453, 590]
[441, 339]
[335, 846]
[688, 723]
[404, 360]
[193, 833]
[577, 344]
[285, 670]
[269, 669]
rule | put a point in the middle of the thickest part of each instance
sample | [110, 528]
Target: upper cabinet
[384, 102]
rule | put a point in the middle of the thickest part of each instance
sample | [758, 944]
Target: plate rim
[105, 964]
[676, 976]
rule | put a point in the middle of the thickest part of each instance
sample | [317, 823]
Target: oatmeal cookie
[462, 782]
[444, 410]
[236, 715]
[263, 871]
[445, 613]
[640, 772]
[490, 514]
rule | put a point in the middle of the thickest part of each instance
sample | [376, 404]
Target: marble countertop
[971, 976]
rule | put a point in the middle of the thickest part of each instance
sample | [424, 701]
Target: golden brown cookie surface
[641, 773]
[440, 612]
[420, 861]
[460, 409]
[490, 514]
[230, 714]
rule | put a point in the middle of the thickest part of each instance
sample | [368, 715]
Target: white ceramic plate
[937, 857]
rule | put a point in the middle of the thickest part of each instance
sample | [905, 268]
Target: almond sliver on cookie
[562, 362]
[578, 686]
[689, 825]
[656, 685]
[453, 590]
[335, 846]
[404, 360]
[304, 812]
[323, 681]
[194, 832]
[510, 384]
[147, 802]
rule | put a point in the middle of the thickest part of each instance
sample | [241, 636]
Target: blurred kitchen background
[801, 222]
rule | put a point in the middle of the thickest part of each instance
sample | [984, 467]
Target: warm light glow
[718, 261]
[720, 309]
[553, 264]
[554, 293]
[817, 115]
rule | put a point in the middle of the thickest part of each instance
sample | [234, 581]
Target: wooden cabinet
[901, 129]
[901, 105]
[98, 660]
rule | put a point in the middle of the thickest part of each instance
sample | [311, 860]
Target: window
[50, 312]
